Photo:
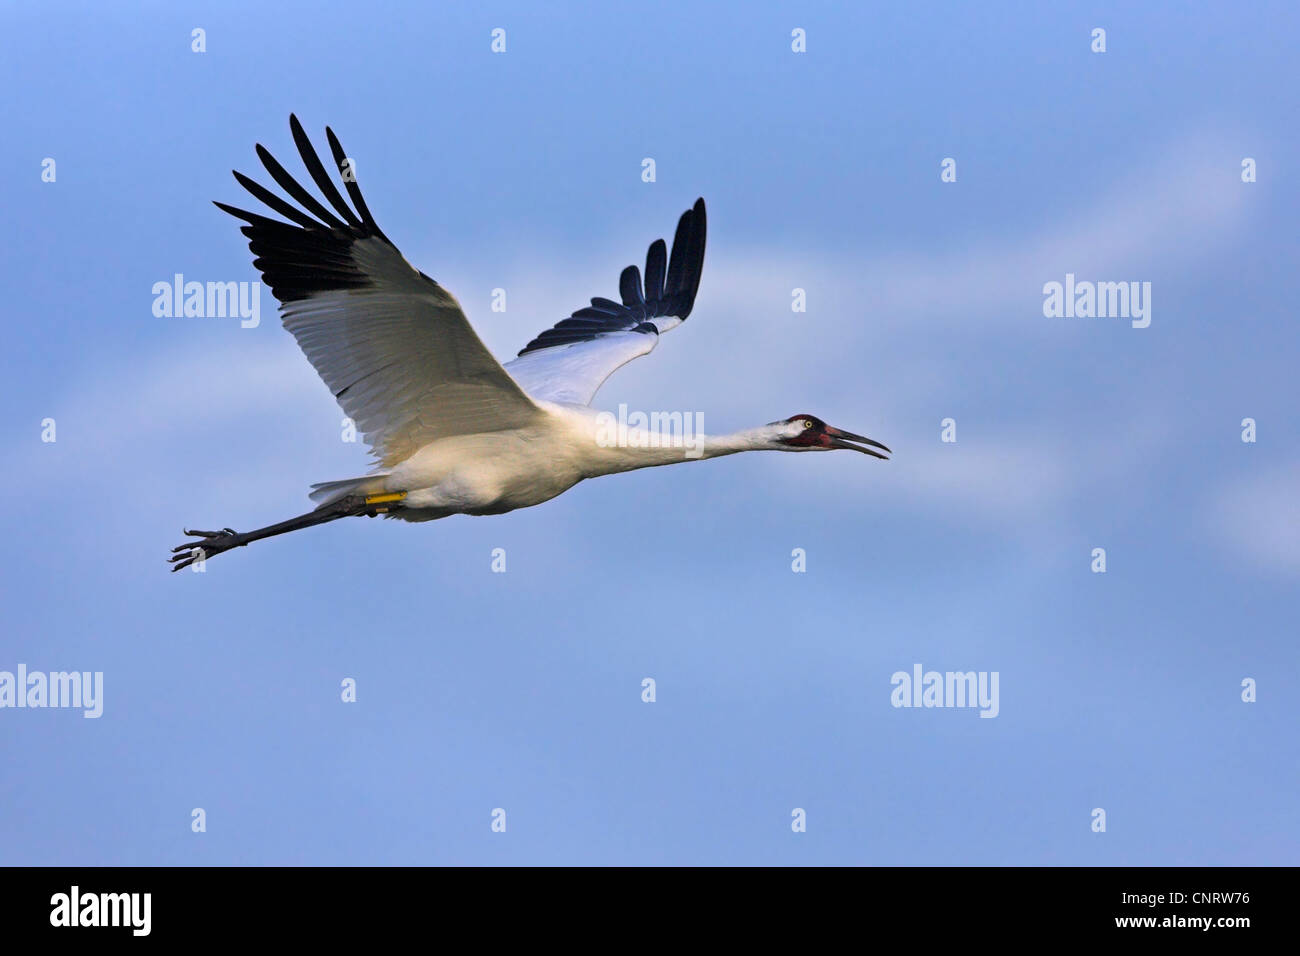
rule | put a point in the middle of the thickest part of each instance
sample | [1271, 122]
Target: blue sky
[522, 690]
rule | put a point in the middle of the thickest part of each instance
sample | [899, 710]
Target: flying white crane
[454, 430]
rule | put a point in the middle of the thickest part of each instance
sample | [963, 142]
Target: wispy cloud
[1258, 517]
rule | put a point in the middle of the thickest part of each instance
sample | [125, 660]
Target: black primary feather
[671, 283]
[312, 253]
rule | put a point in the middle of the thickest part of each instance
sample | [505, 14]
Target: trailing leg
[212, 543]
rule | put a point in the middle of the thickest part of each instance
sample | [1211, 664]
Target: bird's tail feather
[327, 491]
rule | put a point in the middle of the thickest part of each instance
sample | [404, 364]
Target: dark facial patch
[809, 437]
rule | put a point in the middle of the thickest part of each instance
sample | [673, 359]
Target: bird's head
[810, 433]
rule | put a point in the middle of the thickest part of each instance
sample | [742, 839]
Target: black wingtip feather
[311, 159]
[629, 288]
[312, 252]
[671, 283]
[284, 208]
[354, 191]
[656, 266]
[291, 186]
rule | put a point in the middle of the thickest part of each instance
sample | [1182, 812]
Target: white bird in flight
[454, 430]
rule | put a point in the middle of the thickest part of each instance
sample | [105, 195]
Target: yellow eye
[807, 423]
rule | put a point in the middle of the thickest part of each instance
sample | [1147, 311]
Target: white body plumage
[454, 430]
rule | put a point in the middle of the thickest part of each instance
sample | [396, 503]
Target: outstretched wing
[392, 345]
[570, 361]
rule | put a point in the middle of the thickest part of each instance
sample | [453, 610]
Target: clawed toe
[179, 561]
[210, 543]
[209, 534]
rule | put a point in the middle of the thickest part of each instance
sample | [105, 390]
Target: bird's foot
[210, 543]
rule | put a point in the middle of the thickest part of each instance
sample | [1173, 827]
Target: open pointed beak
[843, 439]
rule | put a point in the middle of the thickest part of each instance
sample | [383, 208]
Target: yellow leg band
[383, 499]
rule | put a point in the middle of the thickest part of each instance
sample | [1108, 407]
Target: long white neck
[618, 447]
[747, 439]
